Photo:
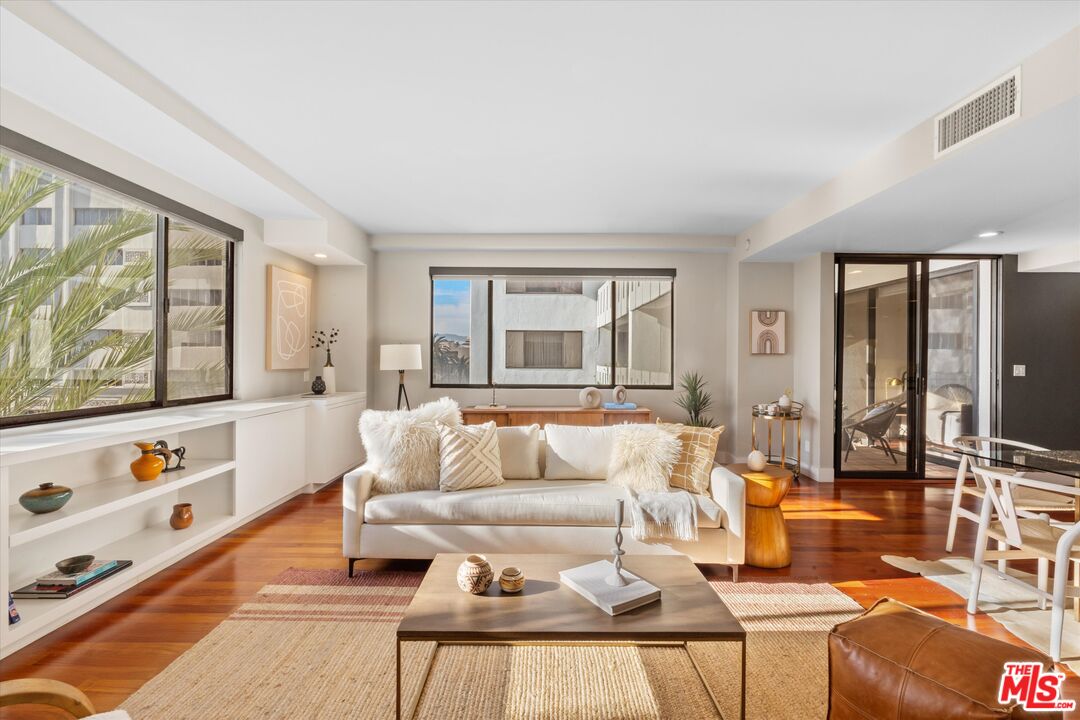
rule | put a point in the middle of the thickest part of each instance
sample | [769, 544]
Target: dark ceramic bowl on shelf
[72, 565]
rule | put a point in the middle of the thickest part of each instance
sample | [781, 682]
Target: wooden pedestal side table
[767, 543]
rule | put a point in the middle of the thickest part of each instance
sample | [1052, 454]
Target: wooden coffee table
[547, 613]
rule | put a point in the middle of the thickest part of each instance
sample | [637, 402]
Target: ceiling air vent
[994, 105]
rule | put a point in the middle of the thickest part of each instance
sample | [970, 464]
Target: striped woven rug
[317, 644]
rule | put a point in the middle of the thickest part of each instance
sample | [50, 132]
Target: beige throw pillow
[693, 469]
[402, 446]
[469, 457]
[519, 450]
[642, 457]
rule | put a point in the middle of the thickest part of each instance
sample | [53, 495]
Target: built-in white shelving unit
[243, 457]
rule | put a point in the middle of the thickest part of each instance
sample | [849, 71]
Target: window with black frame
[107, 303]
[517, 327]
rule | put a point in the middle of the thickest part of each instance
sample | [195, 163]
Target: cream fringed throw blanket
[663, 516]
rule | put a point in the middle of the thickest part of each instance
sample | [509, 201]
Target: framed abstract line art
[288, 319]
[768, 330]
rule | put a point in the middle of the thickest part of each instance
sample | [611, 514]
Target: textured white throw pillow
[403, 445]
[642, 457]
[469, 457]
[577, 452]
[519, 448]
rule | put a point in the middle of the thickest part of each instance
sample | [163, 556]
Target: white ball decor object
[619, 394]
[785, 401]
[589, 397]
[756, 461]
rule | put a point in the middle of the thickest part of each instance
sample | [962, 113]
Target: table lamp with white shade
[400, 358]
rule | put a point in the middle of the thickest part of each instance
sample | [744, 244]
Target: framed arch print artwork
[768, 332]
[288, 319]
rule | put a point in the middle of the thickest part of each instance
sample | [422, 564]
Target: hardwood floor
[838, 533]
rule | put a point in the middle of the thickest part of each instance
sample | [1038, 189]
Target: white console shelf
[243, 457]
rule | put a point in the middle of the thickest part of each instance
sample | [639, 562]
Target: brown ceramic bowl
[72, 565]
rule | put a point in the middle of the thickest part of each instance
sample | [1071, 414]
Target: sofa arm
[356, 491]
[729, 491]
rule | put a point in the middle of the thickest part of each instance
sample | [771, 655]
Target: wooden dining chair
[1024, 537]
[43, 691]
[1028, 499]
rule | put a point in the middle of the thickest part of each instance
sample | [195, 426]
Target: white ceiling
[554, 117]
[1023, 180]
[52, 77]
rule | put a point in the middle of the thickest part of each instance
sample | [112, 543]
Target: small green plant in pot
[695, 400]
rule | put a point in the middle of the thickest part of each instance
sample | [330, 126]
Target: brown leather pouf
[894, 662]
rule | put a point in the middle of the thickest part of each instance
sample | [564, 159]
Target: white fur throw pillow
[642, 457]
[403, 445]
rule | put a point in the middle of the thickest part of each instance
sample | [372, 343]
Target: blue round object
[46, 498]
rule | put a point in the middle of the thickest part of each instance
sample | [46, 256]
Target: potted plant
[695, 400]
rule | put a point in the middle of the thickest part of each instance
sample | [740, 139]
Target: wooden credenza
[524, 415]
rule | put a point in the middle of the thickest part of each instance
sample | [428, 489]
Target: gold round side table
[783, 417]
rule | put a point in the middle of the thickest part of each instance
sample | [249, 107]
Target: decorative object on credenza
[590, 397]
[768, 332]
[511, 580]
[74, 565]
[149, 464]
[323, 339]
[46, 498]
[318, 385]
[695, 400]
[171, 454]
[617, 577]
[288, 319]
[475, 575]
[618, 395]
[181, 517]
[12, 612]
[401, 358]
[756, 460]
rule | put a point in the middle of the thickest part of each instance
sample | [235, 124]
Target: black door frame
[916, 387]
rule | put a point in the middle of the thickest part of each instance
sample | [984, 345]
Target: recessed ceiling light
[855, 272]
[991, 233]
[321, 256]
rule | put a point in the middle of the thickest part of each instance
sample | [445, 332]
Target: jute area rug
[1009, 604]
[316, 644]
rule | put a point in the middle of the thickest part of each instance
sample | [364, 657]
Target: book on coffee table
[590, 581]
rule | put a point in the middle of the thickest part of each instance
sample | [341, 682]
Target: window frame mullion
[161, 314]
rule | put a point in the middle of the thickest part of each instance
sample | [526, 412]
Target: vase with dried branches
[327, 339]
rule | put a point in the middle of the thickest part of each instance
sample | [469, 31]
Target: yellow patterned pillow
[695, 463]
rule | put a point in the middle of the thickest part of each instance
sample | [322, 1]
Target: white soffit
[1024, 181]
[570, 117]
[39, 70]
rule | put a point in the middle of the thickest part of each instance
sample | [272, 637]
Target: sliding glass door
[878, 416]
[915, 362]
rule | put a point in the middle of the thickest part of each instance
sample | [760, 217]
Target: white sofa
[527, 516]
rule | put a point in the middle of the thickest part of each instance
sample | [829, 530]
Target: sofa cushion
[519, 448]
[469, 457]
[402, 446]
[642, 457]
[696, 458]
[578, 451]
[515, 502]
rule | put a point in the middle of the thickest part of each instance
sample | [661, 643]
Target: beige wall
[812, 340]
[402, 301]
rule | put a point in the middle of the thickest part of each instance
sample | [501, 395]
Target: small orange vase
[148, 465]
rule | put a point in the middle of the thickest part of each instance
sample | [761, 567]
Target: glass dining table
[1063, 463]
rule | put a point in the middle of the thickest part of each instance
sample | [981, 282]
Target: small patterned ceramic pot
[475, 574]
[512, 580]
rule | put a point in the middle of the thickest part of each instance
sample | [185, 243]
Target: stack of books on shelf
[59, 585]
[590, 581]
